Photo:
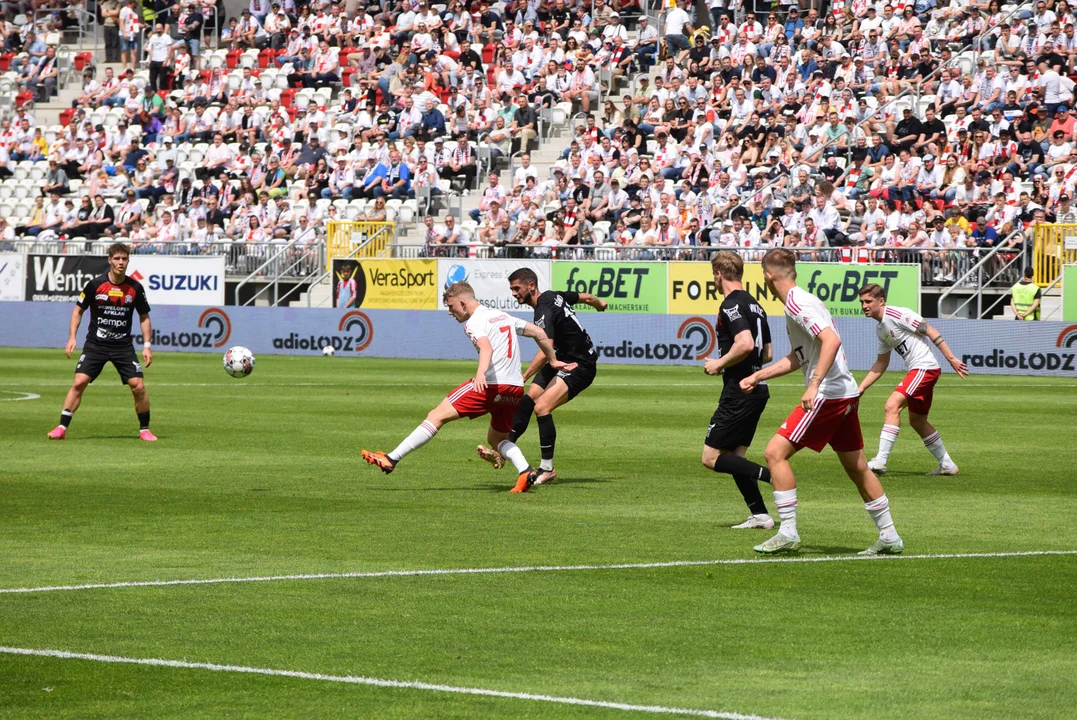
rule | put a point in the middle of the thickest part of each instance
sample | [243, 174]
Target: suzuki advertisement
[168, 279]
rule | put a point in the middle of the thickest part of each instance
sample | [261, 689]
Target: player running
[827, 413]
[552, 386]
[744, 347]
[496, 389]
[113, 299]
[904, 330]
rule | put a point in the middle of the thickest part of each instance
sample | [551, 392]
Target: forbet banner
[180, 279]
[385, 284]
[692, 290]
[627, 287]
[490, 278]
[12, 281]
[60, 278]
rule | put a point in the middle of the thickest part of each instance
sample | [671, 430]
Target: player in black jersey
[551, 388]
[113, 299]
[744, 346]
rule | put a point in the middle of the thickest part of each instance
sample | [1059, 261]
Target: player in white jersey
[496, 389]
[904, 330]
[827, 414]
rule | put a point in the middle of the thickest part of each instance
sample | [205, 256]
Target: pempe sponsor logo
[357, 331]
[695, 332]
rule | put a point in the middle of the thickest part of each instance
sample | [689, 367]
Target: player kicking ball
[904, 330]
[827, 414]
[496, 389]
[112, 299]
[553, 386]
[744, 347]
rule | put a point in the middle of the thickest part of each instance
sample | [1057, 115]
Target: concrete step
[321, 296]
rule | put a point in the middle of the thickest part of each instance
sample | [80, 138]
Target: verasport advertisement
[12, 269]
[490, 278]
[180, 280]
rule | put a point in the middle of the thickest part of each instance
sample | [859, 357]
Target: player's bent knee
[778, 450]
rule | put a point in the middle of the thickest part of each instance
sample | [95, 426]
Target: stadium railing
[345, 236]
[1001, 267]
[1055, 246]
[282, 264]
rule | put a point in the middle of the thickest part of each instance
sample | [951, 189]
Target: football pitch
[618, 591]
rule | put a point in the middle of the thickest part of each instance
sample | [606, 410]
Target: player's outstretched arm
[548, 354]
[786, 365]
[147, 333]
[935, 337]
[596, 302]
[882, 362]
[743, 344]
[72, 331]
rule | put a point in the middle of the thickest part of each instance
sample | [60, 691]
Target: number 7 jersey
[500, 329]
[900, 330]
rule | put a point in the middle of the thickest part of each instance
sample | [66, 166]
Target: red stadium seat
[232, 59]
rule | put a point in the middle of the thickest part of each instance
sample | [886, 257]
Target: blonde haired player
[827, 414]
[496, 389]
[904, 330]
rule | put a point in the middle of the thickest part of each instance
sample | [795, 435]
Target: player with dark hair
[827, 414]
[904, 330]
[113, 299]
[496, 389]
[551, 387]
[744, 347]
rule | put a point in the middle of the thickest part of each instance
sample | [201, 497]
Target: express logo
[457, 273]
[700, 332]
[1068, 337]
[357, 325]
[216, 321]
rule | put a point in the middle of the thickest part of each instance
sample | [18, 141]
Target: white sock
[419, 436]
[508, 449]
[545, 464]
[886, 441]
[786, 502]
[879, 509]
[933, 442]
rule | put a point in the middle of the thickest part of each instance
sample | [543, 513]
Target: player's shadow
[575, 480]
[83, 438]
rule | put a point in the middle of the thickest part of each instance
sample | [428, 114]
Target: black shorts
[734, 422]
[123, 358]
[577, 381]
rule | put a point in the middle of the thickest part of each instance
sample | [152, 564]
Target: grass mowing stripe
[239, 382]
[534, 569]
[379, 682]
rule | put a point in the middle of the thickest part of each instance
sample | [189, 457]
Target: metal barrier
[1000, 268]
[344, 237]
[1056, 245]
[288, 263]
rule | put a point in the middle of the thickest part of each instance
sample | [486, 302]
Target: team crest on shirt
[732, 313]
[541, 322]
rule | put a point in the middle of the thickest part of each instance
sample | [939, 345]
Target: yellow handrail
[344, 236]
[1056, 245]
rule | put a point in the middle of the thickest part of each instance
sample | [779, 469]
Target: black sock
[65, 417]
[749, 490]
[522, 419]
[547, 436]
[736, 465]
[144, 420]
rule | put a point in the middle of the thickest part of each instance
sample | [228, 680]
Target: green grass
[262, 476]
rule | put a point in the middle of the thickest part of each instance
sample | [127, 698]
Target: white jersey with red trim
[900, 330]
[500, 329]
[805, 317]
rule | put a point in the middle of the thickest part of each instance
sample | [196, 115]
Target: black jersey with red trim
[554, 314]
[739, 312]
[112, 309]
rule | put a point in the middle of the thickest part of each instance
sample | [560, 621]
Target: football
[238, 361]
[328, 351]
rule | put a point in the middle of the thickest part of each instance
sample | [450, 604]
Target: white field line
[24, 396]
[243, 383]
[379, 682]
[534, 569]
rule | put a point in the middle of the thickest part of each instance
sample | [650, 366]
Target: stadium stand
[855, 131]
